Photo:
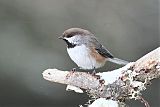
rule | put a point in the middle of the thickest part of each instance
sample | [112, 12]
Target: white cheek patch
[73, 39]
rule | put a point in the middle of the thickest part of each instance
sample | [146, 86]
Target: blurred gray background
[29, 45]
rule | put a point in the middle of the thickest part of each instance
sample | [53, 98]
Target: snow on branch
[112, 88]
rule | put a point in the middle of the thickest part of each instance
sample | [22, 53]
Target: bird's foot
[73, 70]
[93, 72]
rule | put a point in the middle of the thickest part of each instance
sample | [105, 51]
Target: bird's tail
[118, 61]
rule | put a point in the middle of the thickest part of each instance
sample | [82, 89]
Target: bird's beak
[60, 37]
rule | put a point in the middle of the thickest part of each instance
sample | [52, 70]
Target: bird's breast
[82, 56]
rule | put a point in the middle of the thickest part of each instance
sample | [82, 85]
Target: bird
[86, 51]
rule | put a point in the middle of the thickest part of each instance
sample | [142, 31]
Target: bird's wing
[103, 51]
[100, 48]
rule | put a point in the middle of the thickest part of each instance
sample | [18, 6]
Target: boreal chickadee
[86, 51]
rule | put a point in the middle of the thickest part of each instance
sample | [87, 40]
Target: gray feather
[118, 61]
[99, 48]
[104, 52]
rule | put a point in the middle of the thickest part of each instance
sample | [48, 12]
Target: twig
[144, 101]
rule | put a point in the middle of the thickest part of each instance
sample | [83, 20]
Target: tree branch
[117, 85]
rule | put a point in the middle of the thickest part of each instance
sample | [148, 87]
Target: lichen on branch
[117, 85]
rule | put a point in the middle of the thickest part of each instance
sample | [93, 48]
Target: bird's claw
[73, 69]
